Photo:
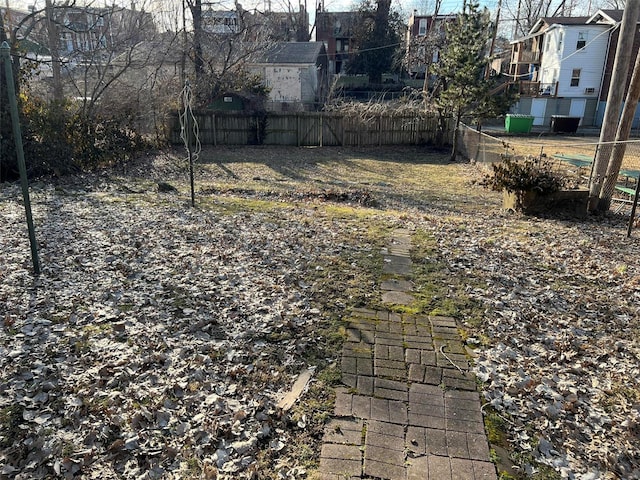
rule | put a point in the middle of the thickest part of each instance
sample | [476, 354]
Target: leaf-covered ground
[159, 337]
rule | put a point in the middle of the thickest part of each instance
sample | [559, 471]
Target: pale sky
[423, 6]
[406, 7]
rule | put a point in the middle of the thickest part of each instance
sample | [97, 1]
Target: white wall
[560, 57]
[284, 82]
[309, 83]
[290, 83]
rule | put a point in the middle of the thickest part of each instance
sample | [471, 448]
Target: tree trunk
[52, 33]
[198, 60]
[428, 52]
[380, 31]
[454, 147]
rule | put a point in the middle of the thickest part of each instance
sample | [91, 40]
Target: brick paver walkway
[409, 409]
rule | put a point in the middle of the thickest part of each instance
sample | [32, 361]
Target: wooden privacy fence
[315, 129]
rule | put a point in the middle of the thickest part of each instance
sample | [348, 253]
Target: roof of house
[565, 20]
[543, 23]
[293, 52]
[607, 16]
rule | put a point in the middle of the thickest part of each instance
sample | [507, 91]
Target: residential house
[221, 22]
[563, 67]
[88, 30]
[558, 67]
[278, 26]
[13, 19]
[425, 39]
[78, 30]
[337, 30]
[296, 73]
[16, 23]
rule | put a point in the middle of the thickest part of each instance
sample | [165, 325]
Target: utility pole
[622, 134]
[614, 100]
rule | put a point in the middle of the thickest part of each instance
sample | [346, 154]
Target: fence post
[298, 128]
[380, 129]
[17, 135]
[321, 128]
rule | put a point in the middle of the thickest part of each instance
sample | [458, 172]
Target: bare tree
[223, 42]
[525, 13]
[610, 4]
[101, 45]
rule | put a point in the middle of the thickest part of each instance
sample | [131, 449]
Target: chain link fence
[572, 156]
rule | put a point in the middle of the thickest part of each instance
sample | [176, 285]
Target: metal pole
[17, 135]
[633, 208]
[189, 139]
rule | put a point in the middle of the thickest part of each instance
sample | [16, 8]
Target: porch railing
[538, 89]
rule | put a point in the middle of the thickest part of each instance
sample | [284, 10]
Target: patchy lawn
[159, 338]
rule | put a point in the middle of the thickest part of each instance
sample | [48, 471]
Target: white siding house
[566, 59]
[574, 56]
[564, 66]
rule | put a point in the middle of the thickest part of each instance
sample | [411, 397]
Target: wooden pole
[614, 99]
[17, 135]
[622, 134]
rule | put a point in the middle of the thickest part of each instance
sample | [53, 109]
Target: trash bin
[514, 123]
[564, 124]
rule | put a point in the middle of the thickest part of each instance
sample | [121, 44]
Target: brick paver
[410, 409]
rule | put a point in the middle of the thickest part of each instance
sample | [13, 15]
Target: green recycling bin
[514, 123]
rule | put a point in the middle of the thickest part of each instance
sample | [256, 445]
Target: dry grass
[552, 145]
[396, 177]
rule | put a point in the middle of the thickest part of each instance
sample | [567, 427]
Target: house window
[582, 40]
[575, 77]
[422, 27]
[342, 45]
[560, 39]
